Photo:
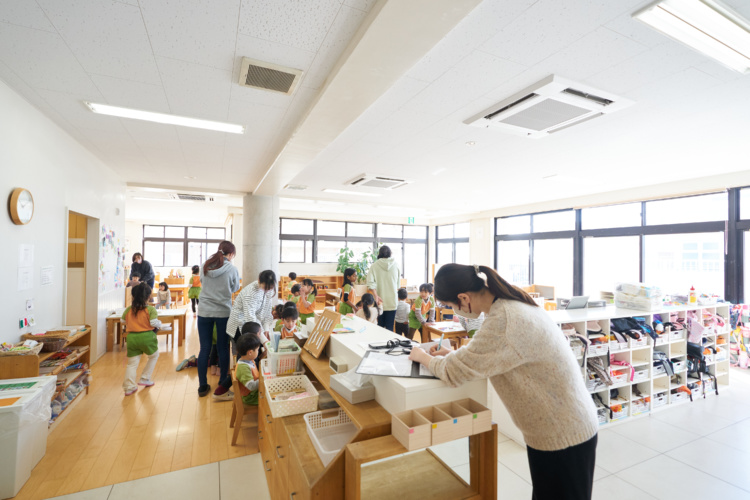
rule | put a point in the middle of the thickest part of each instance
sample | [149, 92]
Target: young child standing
[135, 279]
[140, 321]
[294, 294]
[348, 301]
[289, 322]
[306, 303]
[368, 311]
[247, 373]
[402, 313]
[422, 311]
[164, 295]
[195, 287]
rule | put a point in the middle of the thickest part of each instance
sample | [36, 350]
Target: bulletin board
[112, 272]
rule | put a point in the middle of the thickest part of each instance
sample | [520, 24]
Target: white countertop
[610, 311]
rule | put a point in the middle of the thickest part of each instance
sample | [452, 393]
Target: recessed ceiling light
[354, 193]
[471, 143]
[149, 116]
[189, 177]
[705, 25]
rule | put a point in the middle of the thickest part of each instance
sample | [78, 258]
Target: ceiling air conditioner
[377, 181]
[548, 106]
[189, 197]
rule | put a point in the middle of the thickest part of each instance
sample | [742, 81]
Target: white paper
[25, 255]
[25, 278]
[425, 372]
[378, 363]
[47, 275]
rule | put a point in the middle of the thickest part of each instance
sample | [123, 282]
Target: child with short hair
[369, 311]
[293, 279]
[402, 313]
[294, 293]
[306, 303]
[253, 328]
[195, 287]
[289, 323]
[135, 279]
[141, 320]
[276, 311]
[164, 295]
[247, 373]
[423, 310]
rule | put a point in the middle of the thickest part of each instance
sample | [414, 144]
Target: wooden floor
[109, 438]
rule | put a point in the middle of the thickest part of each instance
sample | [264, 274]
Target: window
[513, 225]
[180, 246]
[328, 228]
[677, 262]
[452, 243]
[553, 265]
[598, 255]
[626, 215]
[415, 263]
[704, 208]
[513, 261]
[554, 221]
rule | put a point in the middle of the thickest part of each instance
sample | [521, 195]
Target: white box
[354, 395]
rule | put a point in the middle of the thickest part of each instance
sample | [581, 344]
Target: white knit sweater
[533, 370]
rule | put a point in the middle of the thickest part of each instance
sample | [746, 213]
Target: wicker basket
[34, 350]
[52, 345]
[52, 334]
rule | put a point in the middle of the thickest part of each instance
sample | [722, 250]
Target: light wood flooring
[109, 438]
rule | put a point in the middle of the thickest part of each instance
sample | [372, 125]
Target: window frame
[452, 241]
[185, 240]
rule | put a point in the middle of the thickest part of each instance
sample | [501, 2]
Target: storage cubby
[412, 430]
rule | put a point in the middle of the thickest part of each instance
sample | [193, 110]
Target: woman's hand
[418, 355]
[435, 350]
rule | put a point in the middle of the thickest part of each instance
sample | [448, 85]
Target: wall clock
[21, 206]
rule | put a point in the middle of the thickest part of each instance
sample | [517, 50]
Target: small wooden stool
[239, 409]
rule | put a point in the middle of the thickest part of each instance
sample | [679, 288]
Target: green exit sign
[410, 220]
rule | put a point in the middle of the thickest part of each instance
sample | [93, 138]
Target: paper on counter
[378, 363]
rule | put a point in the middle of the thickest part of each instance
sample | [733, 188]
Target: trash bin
[24, 419]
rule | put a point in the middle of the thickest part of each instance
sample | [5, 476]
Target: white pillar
[260, 236]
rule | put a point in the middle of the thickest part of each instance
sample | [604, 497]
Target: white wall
[62, 175]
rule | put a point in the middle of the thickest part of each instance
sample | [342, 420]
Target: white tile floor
[696, 450]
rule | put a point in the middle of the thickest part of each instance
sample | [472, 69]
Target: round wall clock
[21, 206]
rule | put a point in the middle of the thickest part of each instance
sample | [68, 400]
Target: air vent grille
[295, 187]
[191, 197]
[268, 76]
[545, 114]
[376, 181]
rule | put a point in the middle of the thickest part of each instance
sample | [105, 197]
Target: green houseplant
[362, 265]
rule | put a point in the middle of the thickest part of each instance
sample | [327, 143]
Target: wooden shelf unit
[294, 470]
[322, 283]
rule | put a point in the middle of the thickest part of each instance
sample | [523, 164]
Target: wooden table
[450, 329]
[170, 316]
[177, 292]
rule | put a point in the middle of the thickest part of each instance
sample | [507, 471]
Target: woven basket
[52, 334]
[34, 350]
[52, 345]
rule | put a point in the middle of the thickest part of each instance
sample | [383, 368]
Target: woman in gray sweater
[529, 363]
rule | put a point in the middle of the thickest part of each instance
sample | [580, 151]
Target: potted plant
[361, 266]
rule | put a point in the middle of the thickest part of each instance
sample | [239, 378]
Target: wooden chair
[239, 409]
[442, 311]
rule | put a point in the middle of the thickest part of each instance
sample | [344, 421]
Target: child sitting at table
[141, 323]
[423, 309]
[402, 313]
[164, 296]
[294, 294]
[367, 309]
[289, 322]
[135, 279]
[253, 328]
[247, 372]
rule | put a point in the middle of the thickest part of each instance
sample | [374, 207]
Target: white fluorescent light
[136, 114]
[355, 193]
[706, 26]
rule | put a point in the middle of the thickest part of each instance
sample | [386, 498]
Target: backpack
[697, 368]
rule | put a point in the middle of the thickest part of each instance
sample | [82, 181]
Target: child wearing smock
[294, 294]
[140, 320]
[194, 292]
[348, 300]
[423, 309]
[247, 373]
[289, 323]
[306, 304]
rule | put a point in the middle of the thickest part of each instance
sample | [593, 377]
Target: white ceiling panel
[194, 90]
[131, 94]
[188, 134]
[43, 60]
[203, 153]
[247, 145]
[257, 118]
[298, 24]
[342, 30]
[107, 37]
[153, 135]
[77, 114]
[26, 14]
[637, 31]
[211, 23]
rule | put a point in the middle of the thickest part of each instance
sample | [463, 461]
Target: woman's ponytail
[453, 279]
[502, 289]
[217, 259]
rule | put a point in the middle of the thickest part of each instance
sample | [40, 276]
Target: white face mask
[464, 314]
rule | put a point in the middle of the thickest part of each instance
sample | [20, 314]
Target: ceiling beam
[394, 36]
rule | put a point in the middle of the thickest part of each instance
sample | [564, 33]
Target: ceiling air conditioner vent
[190, 197]
[376, 181]
[295, 187]
[549, 106]
[268, 76]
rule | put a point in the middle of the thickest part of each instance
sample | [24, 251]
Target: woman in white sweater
[529, 363]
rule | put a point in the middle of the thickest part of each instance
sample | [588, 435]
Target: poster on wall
[111, 261]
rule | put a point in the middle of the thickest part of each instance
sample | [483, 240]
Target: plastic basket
[602, 415]
[291, 406]
[598, 349]
[617, 346]
[619, 376]
[678, 397]
[329, 431]
[640, 375]
[660, 400]
[265, 370]
[676, 335]
[641, 342]
[679, 366]
[284, 363]
[640, 406]
[661, 339]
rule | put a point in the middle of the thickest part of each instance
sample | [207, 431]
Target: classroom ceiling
[402, 116]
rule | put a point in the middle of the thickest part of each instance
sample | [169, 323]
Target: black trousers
[563, 474]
